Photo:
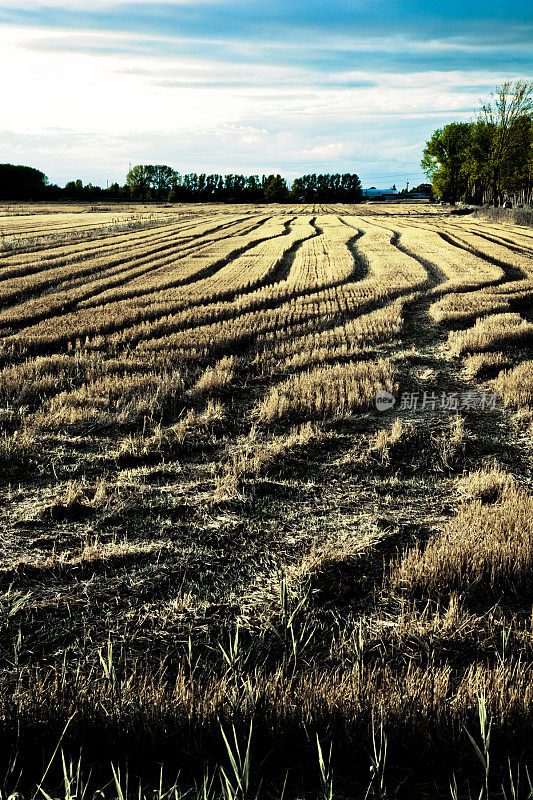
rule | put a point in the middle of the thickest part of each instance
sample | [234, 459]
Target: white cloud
[79, 104]
[330, 150]
[76, 91]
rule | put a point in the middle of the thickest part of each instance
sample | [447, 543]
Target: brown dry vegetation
[209, 530]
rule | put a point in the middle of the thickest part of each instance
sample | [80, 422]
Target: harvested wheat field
[227, 573]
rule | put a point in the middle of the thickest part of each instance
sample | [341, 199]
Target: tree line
[161, 182]
[490, 159]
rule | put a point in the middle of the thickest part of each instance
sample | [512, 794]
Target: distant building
[380, 194]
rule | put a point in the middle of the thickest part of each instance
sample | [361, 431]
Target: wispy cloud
[243, 85]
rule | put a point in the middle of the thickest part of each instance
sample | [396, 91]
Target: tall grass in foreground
[377, 690]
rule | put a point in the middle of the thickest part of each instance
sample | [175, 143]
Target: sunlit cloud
[245, 86]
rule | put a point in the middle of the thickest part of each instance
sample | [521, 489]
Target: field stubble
[216, 548]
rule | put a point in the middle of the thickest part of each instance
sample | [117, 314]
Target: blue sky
[233, 86]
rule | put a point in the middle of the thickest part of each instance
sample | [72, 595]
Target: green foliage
[21, 183]
[326, 772]
[235, 783]
[327, 188]
[444, 158]
[275, 189]
[148, 181]
[161, 182]
[491, 157]
[483, 751]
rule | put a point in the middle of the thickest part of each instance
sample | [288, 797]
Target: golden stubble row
[90, 281]
[491, 333]
[336, 390]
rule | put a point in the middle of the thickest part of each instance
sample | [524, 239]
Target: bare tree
[504, 115]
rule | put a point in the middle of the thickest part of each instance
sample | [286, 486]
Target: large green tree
[275, 189]
[139, 180]
[18, 182]
[162, 179]
[444, 159]
[491, 157]
[151, 180]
